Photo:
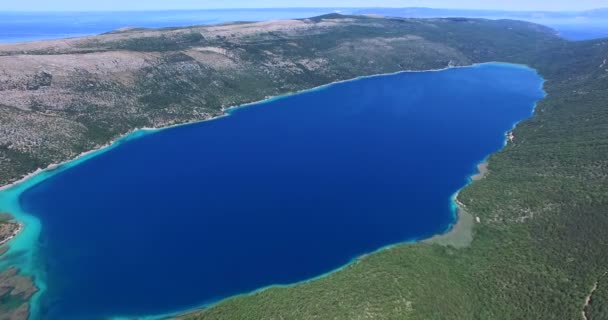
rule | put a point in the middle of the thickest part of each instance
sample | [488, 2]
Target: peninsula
[8, 228]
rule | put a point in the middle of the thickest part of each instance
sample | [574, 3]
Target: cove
[277, 192]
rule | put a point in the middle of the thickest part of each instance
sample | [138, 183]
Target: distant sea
[576, 30]
[275, 193]
[31, 26]
[572, 25]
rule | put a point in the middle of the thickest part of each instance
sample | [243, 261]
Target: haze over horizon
[141, 5]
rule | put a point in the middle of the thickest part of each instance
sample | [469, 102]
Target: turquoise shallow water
[24, 249]
[276, 193]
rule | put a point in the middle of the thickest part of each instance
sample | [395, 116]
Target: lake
[275, 193]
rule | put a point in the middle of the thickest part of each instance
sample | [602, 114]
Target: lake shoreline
[226, 112]
[458, 235]
[456, 229]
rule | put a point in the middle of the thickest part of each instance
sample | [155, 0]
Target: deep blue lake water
[275, 193]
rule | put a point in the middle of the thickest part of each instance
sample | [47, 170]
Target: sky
[80, 5]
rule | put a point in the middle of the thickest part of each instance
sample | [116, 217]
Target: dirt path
[589, 297]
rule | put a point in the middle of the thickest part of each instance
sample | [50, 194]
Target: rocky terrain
[15, 289]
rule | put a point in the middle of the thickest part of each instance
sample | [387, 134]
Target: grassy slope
[541, 244]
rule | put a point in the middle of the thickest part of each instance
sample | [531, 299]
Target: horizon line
[296, 8]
